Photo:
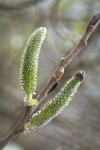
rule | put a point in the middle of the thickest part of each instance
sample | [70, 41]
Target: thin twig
[55, 78]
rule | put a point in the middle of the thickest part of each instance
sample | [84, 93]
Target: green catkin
[55, 106]
[29, 65]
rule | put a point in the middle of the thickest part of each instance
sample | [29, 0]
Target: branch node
[59, 73]
[83, 43]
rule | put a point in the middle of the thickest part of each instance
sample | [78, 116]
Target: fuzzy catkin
[29, 65]
[55, 106]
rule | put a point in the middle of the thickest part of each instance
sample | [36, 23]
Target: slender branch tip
[95, 19]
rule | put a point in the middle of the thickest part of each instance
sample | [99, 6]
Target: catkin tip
[80, 75]
[43, 29]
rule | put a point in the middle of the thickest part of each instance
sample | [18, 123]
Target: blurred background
[78, 126]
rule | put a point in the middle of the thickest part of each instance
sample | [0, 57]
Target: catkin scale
[55, 106]
[29, 64]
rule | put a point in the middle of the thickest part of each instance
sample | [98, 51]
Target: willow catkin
[55, 106]
[29, 64]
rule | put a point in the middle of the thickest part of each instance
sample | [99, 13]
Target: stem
[54, 78]
[17, 129]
